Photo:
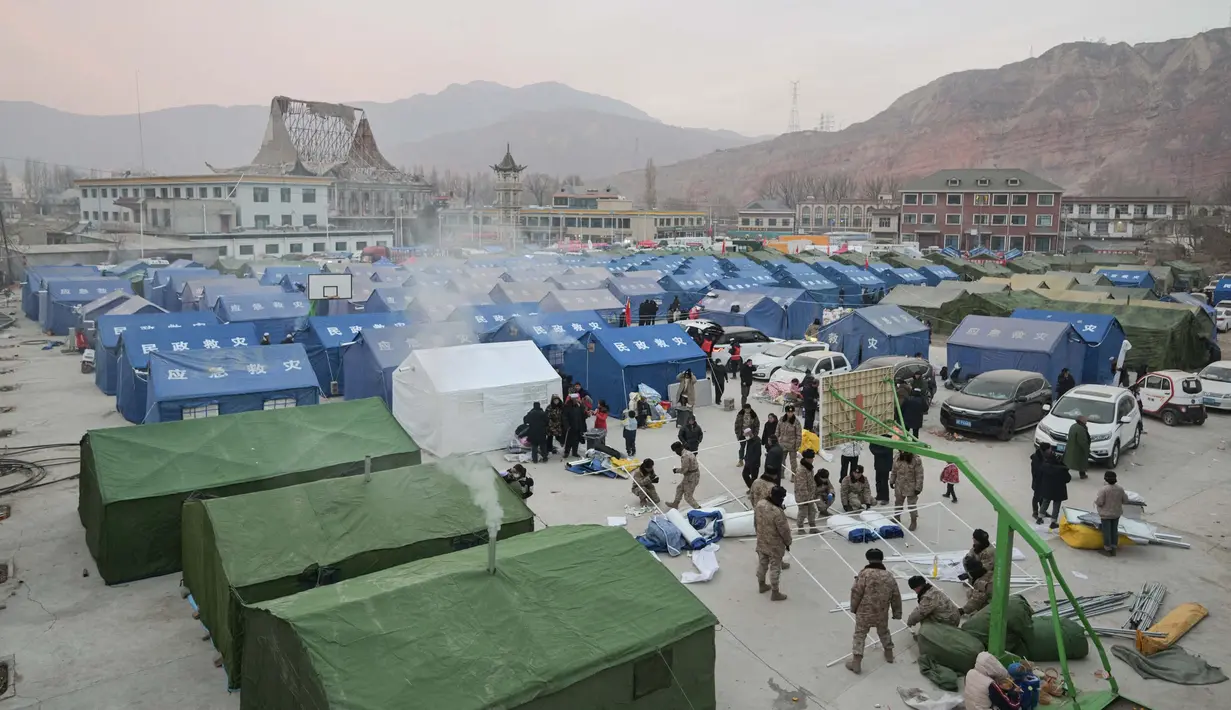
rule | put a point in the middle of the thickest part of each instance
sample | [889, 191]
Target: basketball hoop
[330, 287]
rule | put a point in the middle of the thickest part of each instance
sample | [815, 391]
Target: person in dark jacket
[718, 377]
[773, 458]
[540, 440]
[771, 427]
[752, 457]
[673, 311]
[1050, 479]
[1064, 382]
[913, 409]
[574, 425]
[812, 401]
[555, 421]
[690, 435]
[746, 371]
[882, 464]
[1126, 380]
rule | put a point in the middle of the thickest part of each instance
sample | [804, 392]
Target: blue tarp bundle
[875, 331]
[137, 346]
[936, 273]
[273, 313]
[486, 320]
[611, 362]
[756, 310]
[112, 325]
[157, 281]
[1131, 278]
[519, 292]
[369, 362]
[57, 313]
[983, 343]
[855, 286]
[600, 301]
[637, 291]
[1102, 335]
[552, 333]
[36, 276]
[326, 337]
[234, 380]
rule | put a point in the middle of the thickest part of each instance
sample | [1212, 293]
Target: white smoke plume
[476, 473]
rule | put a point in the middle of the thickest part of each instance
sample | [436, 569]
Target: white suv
[819, 363]
[1113, 419]
[775, 356]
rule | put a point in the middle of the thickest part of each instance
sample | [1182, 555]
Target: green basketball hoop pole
[1008, 522]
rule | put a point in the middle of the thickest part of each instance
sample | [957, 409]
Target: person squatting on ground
[773, 542]
[746, 418]
[873, 595]
[752, 457]
[519, 481]
[980, 580]
[824, 491]
[1109, 504]
[856, 493]
[805, 494]
[691, 473]
[644, 479]
[982, 549]
[906, 480]
[790, 435]
[933, 604]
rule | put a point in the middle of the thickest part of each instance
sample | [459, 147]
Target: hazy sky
[717, 63]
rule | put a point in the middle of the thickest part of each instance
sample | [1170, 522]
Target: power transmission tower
[792, 125]
[826, 123]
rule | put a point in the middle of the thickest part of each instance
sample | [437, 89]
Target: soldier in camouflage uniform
[983, 549]
[875, 592]
[805, 494]
[980, 581]
[790, 436]
[691, 473]
[906, 480]
[934, 605]
[773, 541]
[856, 491]
[644, 479]
[824, 489]
[761, 488]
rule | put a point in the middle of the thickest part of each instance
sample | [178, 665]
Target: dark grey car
[997, 402]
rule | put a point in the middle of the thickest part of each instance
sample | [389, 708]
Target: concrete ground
[79, 644]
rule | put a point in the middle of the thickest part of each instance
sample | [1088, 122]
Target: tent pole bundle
[1095, 605]
[1145, 609]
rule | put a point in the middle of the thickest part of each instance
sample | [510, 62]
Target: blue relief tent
[736, 283]
[519, 292]
[1103, 337]
[369, 362]
[156, 286]
[171, 289]
[935, 273]
[388, 299]
[203, 295]
[596, 273]
[855, 286]
[199, 383]
[486, 320]
[326, 337]
[552, 333]
[1131, 278]
[1222, 291]
[34, 283]
[983, 343]
[876, 331]
[289, 278]
[274, 313]
[61, 297]
[638, 291]
[800, 309]
[137, 346]
[185, 264]
[755, 310]
[611, 362]
[88, 314]
[114, 324]
[814, 284]
[641, 273]
[361, 291]
[418, 279]
[600, 301]
[897, 276]
[689, 287]
[570, 282]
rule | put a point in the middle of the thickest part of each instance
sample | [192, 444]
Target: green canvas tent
[969, 270]
[1119, 293]
[923, 302]
[260, 546]
[1027, 264]
[1188, 276]
[574, 617]
[134, 480]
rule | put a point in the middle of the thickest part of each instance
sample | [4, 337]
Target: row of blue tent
[1039, 341]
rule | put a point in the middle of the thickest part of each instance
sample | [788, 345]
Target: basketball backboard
[328, 287]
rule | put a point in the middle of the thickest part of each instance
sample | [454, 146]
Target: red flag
[628, 312]
[866, 266]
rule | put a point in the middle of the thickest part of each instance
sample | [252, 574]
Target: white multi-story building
[206, 204]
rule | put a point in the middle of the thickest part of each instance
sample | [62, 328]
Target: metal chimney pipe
[367, 469]
[491, 553]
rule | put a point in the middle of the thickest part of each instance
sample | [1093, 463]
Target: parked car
[820, 363]
[1113, 418]
[1173, 396]
[1216, 385]
[751, 341]
[775, 355]
[905, 369]
[1222, 318]
[997, 402]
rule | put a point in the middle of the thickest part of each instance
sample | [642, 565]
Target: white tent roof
[481, 366]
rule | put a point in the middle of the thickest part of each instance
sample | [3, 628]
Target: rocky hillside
[1151, 117]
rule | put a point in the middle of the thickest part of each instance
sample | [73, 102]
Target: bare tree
[35, 179]
[651, 185]
[676, 203]
[4, 172]
[788, 187]
[1222, 194]
[540, 186]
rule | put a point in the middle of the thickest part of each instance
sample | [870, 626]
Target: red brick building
[992, 208]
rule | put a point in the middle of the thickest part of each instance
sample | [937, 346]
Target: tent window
[652, 673]
[205, 410]
[279, 403]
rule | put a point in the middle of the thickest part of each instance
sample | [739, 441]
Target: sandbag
[1175, 624]
[1041, 646]
[948, 646]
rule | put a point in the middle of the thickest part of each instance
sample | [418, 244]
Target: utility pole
[793, 123]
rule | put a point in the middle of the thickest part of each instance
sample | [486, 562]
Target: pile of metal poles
[1094, 605]
[1145, 609]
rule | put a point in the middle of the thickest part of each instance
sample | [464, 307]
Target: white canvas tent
[469, 399]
